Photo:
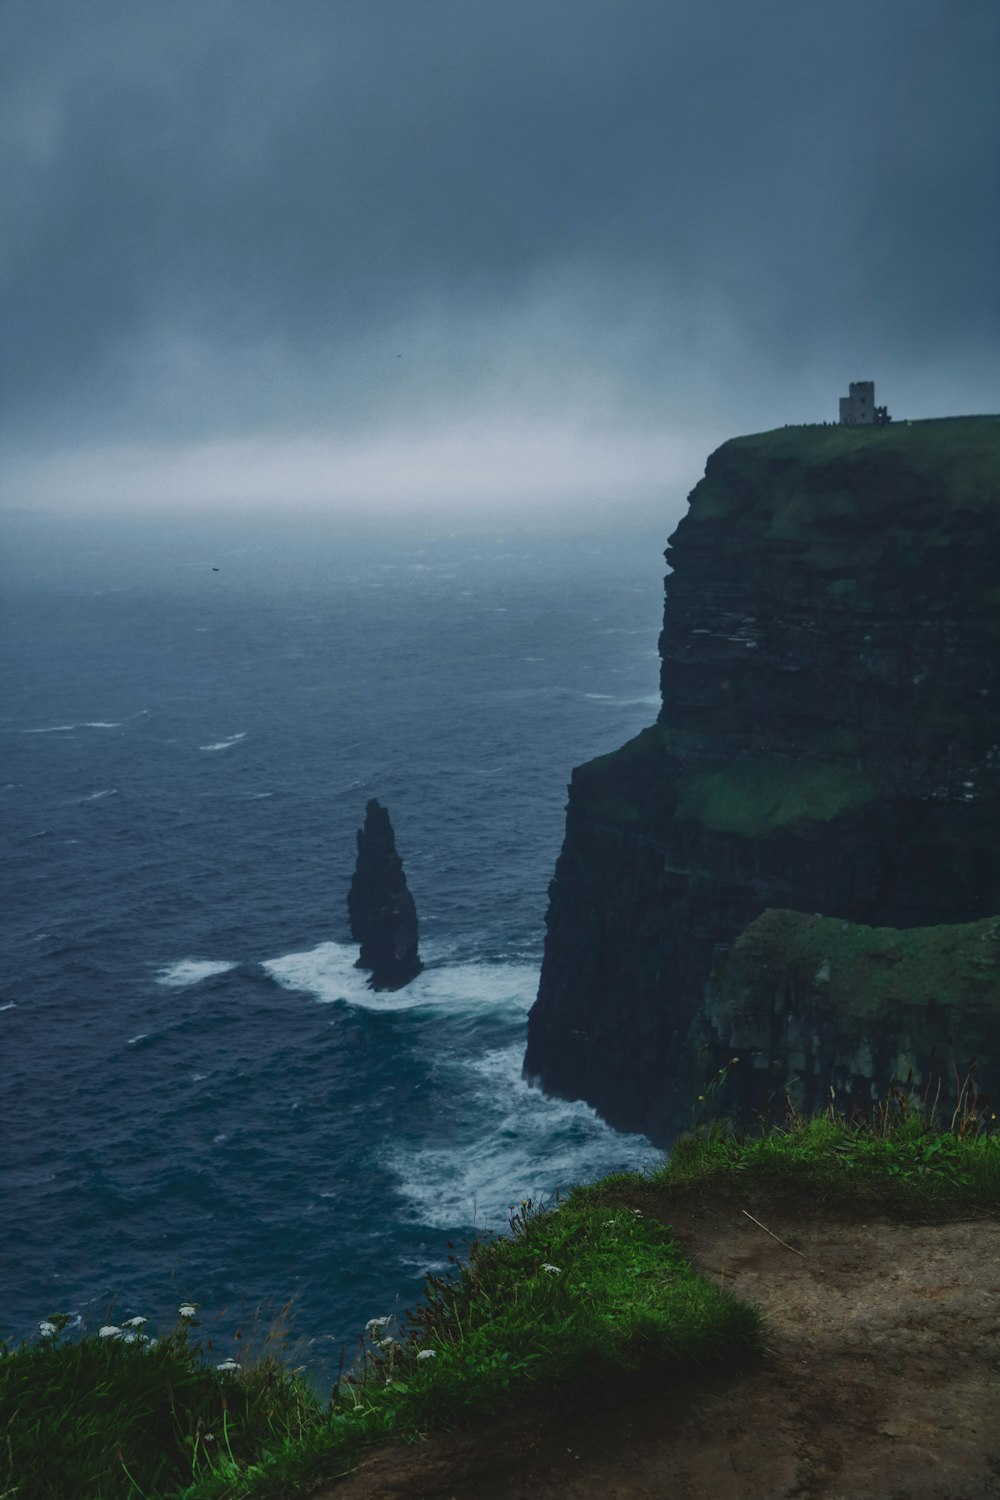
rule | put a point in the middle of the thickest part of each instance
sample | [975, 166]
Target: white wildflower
[130, 1338]
[386, 1344]
[109, 1331]
[374, 1323]
[46, 1329]
[136, 1322]
[150, 1344]
[552, 1270]
[188, 1309]
[427, 1354]
[228, 1365]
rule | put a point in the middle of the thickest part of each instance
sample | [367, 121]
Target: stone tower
[858, 409]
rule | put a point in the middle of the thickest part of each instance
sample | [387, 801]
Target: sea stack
[382, 912]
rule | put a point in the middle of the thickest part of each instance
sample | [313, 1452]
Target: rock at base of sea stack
[382, 912]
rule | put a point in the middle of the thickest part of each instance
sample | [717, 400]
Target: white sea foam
[233, 739]
[328, 973]
[187, 971]
[140, 1038]
[513, 1144]
[65, 728]
[11, 1005]
[111, 791]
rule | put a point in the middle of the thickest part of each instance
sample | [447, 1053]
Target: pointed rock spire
[383, 916]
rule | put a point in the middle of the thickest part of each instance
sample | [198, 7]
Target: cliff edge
[829, 743]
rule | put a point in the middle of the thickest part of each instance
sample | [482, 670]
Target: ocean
[200, 1099]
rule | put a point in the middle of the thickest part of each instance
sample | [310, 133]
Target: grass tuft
[903, 1156]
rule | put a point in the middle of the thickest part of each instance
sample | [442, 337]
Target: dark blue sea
[201, 1100]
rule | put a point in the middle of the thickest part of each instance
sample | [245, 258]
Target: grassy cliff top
[949, 463]
[863, 973]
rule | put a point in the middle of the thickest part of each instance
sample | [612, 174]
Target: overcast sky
[329, 252]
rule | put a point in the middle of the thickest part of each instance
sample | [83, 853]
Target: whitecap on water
[11, 1005]
[233, 739]
[191, 971]
[512, 1143]
[65, 728]
[328, 973]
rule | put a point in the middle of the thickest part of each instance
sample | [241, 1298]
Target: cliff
[829, 742]
[820, 1004]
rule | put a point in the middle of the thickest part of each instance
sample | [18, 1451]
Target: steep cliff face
[829, 742]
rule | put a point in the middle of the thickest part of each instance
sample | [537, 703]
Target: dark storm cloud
[228, 217]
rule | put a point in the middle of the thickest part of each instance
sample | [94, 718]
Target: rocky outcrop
[829, 742]
[382, 912]
[807, 1004]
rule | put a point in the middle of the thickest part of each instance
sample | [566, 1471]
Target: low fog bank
[479, 473]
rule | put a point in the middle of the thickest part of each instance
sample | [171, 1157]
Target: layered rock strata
[829, 742]
[382, 911]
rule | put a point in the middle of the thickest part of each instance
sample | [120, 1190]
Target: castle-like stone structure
[859, 409]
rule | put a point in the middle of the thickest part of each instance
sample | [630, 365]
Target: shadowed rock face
[383, 915]
[829, 742]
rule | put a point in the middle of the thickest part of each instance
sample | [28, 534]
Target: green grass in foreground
[575, 1298]
[900, 1158]
[575, 1295]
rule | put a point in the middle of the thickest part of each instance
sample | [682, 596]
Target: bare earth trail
[881, 1382]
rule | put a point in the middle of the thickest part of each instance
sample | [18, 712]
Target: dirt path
[881, 1382]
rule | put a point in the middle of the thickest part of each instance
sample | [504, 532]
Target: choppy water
[200, 1098]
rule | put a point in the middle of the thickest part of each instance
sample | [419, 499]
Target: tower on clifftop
[859, 409]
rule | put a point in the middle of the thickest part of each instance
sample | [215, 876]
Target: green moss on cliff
[864, 974]
[796, 480]
[753, 798]
[628, 786]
